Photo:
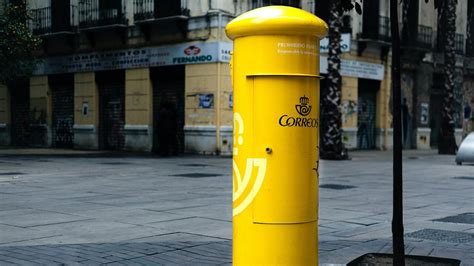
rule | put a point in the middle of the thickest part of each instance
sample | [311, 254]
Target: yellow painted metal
[275, 72]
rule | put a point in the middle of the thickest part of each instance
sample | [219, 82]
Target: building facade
[423, 72]
[126, 75]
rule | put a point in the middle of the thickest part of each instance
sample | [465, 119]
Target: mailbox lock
[268, 150]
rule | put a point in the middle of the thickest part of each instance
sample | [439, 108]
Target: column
[40, 111]
[349, 103]
[200, 110]
[138, 110]
[86, 111]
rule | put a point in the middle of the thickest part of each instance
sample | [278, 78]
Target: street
[83, 207]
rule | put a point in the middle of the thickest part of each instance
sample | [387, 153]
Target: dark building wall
[20, 113]
[423, 81]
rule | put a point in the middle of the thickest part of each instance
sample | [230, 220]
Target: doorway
[111, 109]
[436, 105]
[62, 89]
[366, 113]
[168, 109]
[437, 96]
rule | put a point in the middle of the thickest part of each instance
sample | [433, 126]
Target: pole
[397, 220]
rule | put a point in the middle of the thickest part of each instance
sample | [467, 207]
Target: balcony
[161, 20]
[97, 15]
[41, 21]
[459, 44]
[46, 22]
[262, 3]
[384, 29]
[424, 38]
[378, 30]
[148, 11]
[421, 38]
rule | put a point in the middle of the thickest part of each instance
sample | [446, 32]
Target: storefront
[364, 101]
[62, 92]
[126, 99]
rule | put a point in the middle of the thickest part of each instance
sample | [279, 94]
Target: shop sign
[180, 54]
[345, 43]
[424, 113]
[225, 48]
[357, 69]
[206, 101]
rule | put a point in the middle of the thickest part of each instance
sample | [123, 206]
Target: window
[470, 29]
[260, 3]
[322, 10]
[371, 20]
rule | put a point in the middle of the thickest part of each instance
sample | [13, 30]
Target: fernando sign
[185, 53]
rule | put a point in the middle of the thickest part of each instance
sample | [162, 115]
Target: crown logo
[303, 108]
[304, 100]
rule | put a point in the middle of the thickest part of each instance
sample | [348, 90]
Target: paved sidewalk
[79, 207]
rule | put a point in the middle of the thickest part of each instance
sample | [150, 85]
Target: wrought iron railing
[376, 29]
[43, 21]
[92, 15]
[459, 43]
[417, 37]
[261, 3]
[143, 9]
[384, 28]
[424, 37]
[74, 16]
[151, 9]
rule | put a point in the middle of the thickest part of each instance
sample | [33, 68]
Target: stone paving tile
[38, 217]
[130, 216]
[12, 234]
[212, 211]
[12, 188]
[209, 227]
[137, 213]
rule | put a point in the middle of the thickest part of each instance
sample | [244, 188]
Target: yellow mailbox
[275, 72]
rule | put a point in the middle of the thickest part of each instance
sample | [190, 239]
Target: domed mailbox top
[276, 20]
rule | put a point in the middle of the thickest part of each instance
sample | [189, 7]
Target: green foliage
[18, 45]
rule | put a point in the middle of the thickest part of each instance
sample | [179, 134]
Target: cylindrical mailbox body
[275, 71]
